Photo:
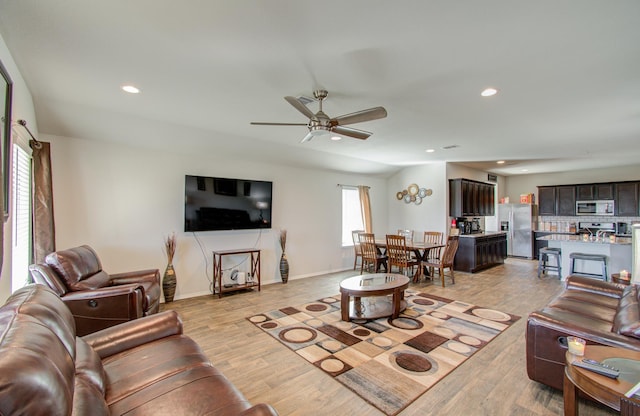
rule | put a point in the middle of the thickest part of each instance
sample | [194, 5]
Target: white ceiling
[568, 74]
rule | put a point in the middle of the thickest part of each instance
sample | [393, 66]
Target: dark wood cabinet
[596, 191]
[566, 200]
[557, 200]
[626, 199]
[468, 198]
[546, 200]
[476, 253]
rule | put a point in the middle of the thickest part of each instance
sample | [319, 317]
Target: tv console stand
[254, 257]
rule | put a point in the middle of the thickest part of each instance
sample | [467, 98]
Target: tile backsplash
[567, 224]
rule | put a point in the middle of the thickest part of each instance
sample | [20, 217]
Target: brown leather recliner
[96, 299]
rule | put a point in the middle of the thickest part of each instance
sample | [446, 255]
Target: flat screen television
[213, 204]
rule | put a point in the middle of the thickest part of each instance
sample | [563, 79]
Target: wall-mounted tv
[212, 204]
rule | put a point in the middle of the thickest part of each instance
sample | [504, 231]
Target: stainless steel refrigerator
[518, 220]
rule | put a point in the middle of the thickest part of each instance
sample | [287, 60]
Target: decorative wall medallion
[414, 194]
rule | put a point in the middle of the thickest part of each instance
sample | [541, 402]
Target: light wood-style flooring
[492, 382]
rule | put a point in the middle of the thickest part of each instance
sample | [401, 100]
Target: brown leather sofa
[142, 367]
[97, 299]
[602, 313]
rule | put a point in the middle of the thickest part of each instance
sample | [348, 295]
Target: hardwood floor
[492, 382]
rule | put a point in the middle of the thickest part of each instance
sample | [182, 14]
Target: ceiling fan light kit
[320, 124]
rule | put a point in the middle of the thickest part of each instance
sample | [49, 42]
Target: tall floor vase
[169, 283]
[284, 268]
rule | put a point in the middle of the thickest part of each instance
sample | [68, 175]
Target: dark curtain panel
[44, 234]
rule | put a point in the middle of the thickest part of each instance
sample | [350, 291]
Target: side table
[254, 257]
[605, 390]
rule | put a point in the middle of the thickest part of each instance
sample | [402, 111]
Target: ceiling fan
[321, 124]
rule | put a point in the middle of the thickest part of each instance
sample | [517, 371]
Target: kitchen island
[618, 252]
[480, 251]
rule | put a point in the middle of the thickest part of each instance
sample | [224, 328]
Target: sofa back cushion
[79, 268]
[37, 351]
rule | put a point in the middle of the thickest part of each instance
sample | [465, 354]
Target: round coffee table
[373, 285]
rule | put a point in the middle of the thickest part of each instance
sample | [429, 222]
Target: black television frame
[225, 204]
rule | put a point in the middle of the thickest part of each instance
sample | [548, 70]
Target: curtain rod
[351, 186]
[23, 123]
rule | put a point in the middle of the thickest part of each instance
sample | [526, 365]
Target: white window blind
[351, 214]
[21, 214]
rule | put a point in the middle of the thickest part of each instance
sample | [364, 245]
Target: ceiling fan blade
[306, 138]
[260, 123]
[360, 116]
[348, 131]
[300, 107]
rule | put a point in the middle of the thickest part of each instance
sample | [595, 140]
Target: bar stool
[601, 258]
[543, 260]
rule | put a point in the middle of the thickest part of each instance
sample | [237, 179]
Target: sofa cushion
[586, 309]
[89, 365]
[87, 400]
[76, 265]
[37, 370]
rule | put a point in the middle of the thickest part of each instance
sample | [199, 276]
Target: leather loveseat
[602, 313]
[142, 367]
[97, 299]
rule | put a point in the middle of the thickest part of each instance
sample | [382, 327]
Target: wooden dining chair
[370, 254]
[398, 254]
[433, 237]
[445, 261]
[355, 236]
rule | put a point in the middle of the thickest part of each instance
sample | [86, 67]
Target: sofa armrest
[260, 409]
[587, 284]
[123, 301]
[149, 275]
[132, 334]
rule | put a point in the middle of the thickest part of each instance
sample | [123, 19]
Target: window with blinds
[21, 213]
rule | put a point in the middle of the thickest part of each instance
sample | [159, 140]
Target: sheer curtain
[365, 205]
[44, 235]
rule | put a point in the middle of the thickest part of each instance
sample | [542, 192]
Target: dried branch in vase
[283, 239]
[170, 247]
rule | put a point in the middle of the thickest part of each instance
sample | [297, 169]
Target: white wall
[123, 200]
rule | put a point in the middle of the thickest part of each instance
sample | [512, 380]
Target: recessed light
[488, 92]
[430, 150]
[130, 89]
[524, 170]
[336, 138]
[500, 162]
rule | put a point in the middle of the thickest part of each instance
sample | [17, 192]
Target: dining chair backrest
[434, 237]
[368, 246]
[408, 234]
[397, 250]
[355, 236]
[450, 250]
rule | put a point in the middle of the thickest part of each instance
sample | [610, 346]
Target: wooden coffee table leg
[344, 306]
[396, 301]
[570, 394]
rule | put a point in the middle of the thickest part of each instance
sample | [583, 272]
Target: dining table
[419, 248]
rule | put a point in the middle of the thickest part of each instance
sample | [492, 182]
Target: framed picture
[5, 136]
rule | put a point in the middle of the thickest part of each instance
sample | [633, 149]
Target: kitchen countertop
[483, 234]
[579, 239]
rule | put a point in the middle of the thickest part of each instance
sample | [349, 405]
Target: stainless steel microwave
[595, 207]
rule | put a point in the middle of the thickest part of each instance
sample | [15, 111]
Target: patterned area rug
[389, 363]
